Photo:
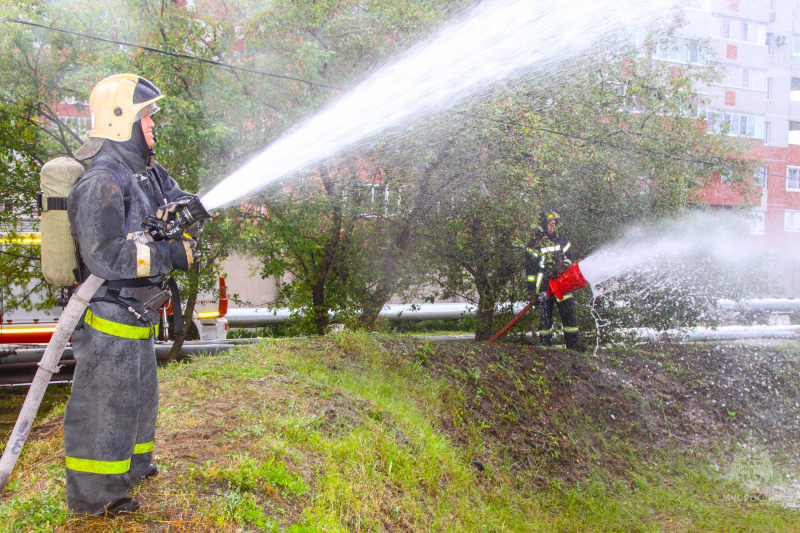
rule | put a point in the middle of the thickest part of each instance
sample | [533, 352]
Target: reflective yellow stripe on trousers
[98, 467]
[143, 447]
[106, 467]
[116, 329]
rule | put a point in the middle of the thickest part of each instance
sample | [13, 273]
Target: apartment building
[757, 43]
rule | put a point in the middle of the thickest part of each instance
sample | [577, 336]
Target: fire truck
[36, 327]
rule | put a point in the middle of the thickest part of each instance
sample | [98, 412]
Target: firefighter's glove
[533, 298]
[183, 253]
[167, 212]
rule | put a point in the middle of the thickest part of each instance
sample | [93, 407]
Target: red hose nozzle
[569, 281]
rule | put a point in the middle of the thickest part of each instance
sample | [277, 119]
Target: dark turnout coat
[109, 424]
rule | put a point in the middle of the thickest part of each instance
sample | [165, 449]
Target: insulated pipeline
[47, 367]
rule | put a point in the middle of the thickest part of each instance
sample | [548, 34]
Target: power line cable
[165, 52]
[642, 151]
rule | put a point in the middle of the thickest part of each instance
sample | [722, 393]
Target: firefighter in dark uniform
[549, 255]
[110, 420]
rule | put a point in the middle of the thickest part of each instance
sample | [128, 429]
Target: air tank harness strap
[177, 310]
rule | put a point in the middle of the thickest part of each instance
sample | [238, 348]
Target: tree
[345, 247]
[618, 140]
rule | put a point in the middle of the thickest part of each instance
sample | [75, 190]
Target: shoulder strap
[124, 180]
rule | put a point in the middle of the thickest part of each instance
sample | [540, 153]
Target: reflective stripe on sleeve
[142, 260]
[531, 278]
[143, 447]
[567, 247]
[98, 467]
[116, 329]
[571, 330]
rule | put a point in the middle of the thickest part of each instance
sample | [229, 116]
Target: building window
[79, 124]
[760, 177]
[770, 83]
[738, 30]
[767, 132]
[796, 45]
[757, 222]
[699, 5]
[791, 220]
[685, 51]
[740, 125]
[794, 132]
[793, 178]
[746, 78]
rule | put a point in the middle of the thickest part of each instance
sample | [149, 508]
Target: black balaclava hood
[137, 143]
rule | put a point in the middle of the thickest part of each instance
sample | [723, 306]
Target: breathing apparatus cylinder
[569, 281]
[56, 180]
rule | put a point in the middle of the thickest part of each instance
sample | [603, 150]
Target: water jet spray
[493, 41]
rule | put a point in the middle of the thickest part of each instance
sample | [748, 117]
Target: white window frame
[760, 177]
[740, 77]
[758, 222]
[793, 179]
[684, 51]
[796, 45]
[699, 5]
[791, 221]
[732, 30]
[742, 125]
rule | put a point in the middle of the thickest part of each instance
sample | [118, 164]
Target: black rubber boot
[573, 342]
[152, 471]
[546, 341]
[119, 507]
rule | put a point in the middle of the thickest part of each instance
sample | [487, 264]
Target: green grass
[343, 434]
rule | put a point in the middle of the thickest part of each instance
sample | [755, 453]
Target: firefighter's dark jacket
[544, 257]
[97, 216]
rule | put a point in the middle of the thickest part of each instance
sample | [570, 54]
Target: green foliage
[40, 512]
[238, 508]
[254, 476]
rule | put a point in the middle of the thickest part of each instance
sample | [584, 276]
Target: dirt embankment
[559, 410]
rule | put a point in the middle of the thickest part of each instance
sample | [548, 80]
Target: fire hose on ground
[47, 367]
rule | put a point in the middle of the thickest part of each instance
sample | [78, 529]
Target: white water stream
[490, 43]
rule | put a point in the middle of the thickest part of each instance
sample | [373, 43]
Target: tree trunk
[485, 317]
[320, 310]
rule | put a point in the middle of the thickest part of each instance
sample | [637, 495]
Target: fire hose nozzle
[569, 281]
[190, 213]
[194, 211]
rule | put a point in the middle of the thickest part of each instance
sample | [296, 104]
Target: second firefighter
[548, 255]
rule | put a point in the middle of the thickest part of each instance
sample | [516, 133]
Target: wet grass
[359, 432]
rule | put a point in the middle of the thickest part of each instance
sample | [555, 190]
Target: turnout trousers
[569, 320]
[110, 419]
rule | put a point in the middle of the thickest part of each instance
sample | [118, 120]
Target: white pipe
[763, 304]
[47, 367]
[267, 316]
